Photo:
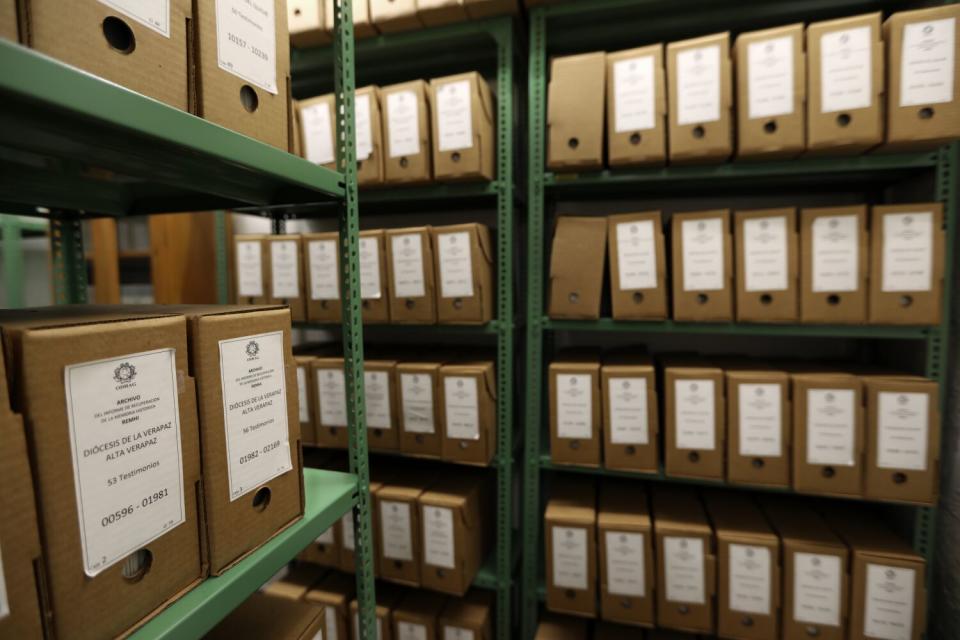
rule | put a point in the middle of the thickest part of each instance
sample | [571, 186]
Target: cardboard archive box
[695, 419]
[686, 561]
[348, 540]
[758, 426]
[369, 128]
[768, 274]
[331, 402]
[306, 399]
[8, 20]
[399, 543]
[380, 395]
[284, 274]
[412, 290]
[577, 257]
[334, 593]
[464, 137]
[638, 266]
[906, 264]
[306, 21]
[833, 265]
[701, 99]
[433, 13]
[417, 615]
[405, 110]
[317, 124]
[771, 69]
[631, 414]
[362, 26]
[321, 256]
[374, 286]
[388, 596]
[463, 256]
[636, 107]
[570, 541]
[576, 431]
[469, 412]
[324, 550]
[575, 99]
[702, 266]
[845, 85]
[625, 538]
[390, 16]
[420, 412]
[480, 9]
[249, 269]
[266, 616]
[468, 617]
[78, 371]
[554, 627]
[294, 582]
[923, 77]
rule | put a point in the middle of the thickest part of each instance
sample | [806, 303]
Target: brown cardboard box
[695, 420]
[833, 265]
[636, 107]
[380, 394]
[297, 148]
[631, 416]
[469, 412]
[686, 564]
[405, 111]
[306, 400]
[468, 617]
[417, 615]
[348, 537]
[253, 97]
[321, 257]
[464, 273]
[627, 576]
[317, 126]
[577, 258]
[324, 550]
[702, 266]
[570, 539]
[771, 71]
[331, 402]
[295, 583]
[554, 627]
[142, 48]
[748, 576]
[701, 99]
[455, 539]
[575, 98]
[480, 9]
[374, 287]
[576, 432]
[249, 287]
[412, 289]
[334, 593]
[265, 616]
[390, 16]
[433, 13]
[638, 266]
[398, 542]
[906, 264]
[845, 85]
[464, 138]
[923, 108]
[362, 27]
[610, 631]
[388, 596]
[307, 23]
[8, 21]
[420, 413]
[827, 433]
[768, 276]
[758, 427]
[69, 365]
[903, 439]
[283, 271]
[369, 126]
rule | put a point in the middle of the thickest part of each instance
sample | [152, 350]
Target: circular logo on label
[569, 533]
[890, 573]
[126, 372]
[697, 55]
[253, 348]
[750, 553]
[573, 382]
[633, 228]
[394, 508]
[694, 386]
[453, 239]
[903, 399]
[626, 384]
[769, 47]
[701, 226]
[416, 379]
[844, 39]
[908, 220]
[815, 562]
[828, 397]
[406, 241]
[329, 374]
[759, 391]
[459, 383]
[623, 538]
[833, 224]
[683, 544]
[927, 30]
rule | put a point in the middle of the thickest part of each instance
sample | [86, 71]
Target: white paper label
[846, 70]
[629, 422]
[816, 589]
[408, 278]
[569, 557]
[4, 603]
[888, 612]
[247, 41]
[416, 400]
[902, 430]
[926, 64]
[249, 269]
[318, 635]
[457, 633]
[376, 392]
[326, 537]
[830, 426]
[356, 626]
[324, 284]
[285, 269]
[634, 94]
[770, 77]
[363, 125]
[370, 288]
[154, 14]
[750, 579]
[636, 255]
[703, 264]
[254, 382]
[438, 537]
[403, 123]
[765, 254]
[694, 414]
[332, 392]
[349, 539]
[454, 117]
[835, 257]
[395, 530]
[574, 406]
[698, 85]
[411, 631]
[124, 420]
[317, 133]
[456, 265]
[907, 252]
[302, 394]
[683, 561]
[761, 422]
[330, 621]
[462, 407]
[626, 569]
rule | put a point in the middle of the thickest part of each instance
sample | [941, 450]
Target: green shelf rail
[13, 229]
[403, 330]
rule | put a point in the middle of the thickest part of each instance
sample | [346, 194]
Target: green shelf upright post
[69, 263]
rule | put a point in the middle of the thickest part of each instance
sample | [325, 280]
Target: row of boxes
[409, 133]
[555, 627]
[415, 275]
[147, 470]
[818, 429]
[839, 265]
[443, 407]
[826, 89]
[721, 563]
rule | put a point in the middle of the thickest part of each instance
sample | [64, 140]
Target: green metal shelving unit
[619, 24]
[12, 231]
